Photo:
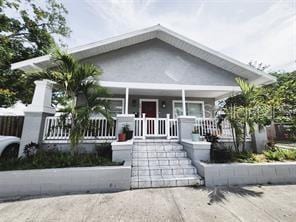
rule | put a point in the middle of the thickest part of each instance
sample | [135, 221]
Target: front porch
[145, 128]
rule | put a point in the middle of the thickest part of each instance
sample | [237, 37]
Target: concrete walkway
[266, 203]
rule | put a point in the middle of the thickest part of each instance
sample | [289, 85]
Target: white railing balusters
[99, 128]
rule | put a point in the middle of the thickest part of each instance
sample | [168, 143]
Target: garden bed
[270, 155]
[46, 158]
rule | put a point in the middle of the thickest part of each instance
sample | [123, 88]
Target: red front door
[149, 108]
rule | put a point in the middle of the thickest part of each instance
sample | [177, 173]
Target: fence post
[36, 113]
[168, 126]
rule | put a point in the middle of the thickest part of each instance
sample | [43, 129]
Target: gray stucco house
[162, 84]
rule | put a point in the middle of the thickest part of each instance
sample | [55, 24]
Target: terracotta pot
[121, 137]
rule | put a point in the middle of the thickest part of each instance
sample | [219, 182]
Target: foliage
[125, 128]
[31, 149]
[27, 28]
[80, 94]
[196, 130]
[52, 158]
[282, 97]
[277, 154]
[244, 111]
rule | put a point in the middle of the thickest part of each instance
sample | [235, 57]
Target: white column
[167, 126]
[126, 100]
[183, 102]
[144, 125]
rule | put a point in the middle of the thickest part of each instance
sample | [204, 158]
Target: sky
[247, 30]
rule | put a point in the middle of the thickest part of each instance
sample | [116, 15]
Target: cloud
[245, 30]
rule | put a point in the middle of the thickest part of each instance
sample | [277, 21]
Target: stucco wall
[64, 180]
[247, 173]
[154, 61]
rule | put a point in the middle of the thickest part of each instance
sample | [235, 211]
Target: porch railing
[156, 127]
[99, 129]
[210, 125]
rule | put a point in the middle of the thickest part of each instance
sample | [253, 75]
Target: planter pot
[195, 137]
[129, 135]
[121, 137]
[220, 155]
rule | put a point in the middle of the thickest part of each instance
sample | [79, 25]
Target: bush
[44, 158]
[276, 154]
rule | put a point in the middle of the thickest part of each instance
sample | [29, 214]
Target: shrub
[277, 154]
[31, 149]
[52, 158]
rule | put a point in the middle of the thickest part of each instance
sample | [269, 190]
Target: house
[162, 84]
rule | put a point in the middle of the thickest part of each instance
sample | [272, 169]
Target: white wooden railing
[156, 127]
[98, 129]
[210, 125]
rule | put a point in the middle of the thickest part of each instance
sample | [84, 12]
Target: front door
[149, 108]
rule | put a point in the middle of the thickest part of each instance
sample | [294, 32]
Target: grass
[55, 159]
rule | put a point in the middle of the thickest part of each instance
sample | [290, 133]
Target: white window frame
[116, 99]
[148, 100]
[189, 101]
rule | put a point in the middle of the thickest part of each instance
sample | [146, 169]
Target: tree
[79, 94]
[244, 111]
[27, 30]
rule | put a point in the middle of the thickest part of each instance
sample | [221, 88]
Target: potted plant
[195, 133]
[128, 133]
[121, 137]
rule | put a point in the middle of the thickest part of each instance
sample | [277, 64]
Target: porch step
[159, 154]
[164, 171]
[165, 181]
[162, 164]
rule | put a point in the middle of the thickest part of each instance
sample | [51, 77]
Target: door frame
[148, 100]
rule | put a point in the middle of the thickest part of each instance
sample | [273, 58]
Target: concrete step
[159, 154]
[161, 162]
[165, 181]
[164, 171]
[158, 148]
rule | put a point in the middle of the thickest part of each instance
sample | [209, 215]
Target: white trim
[183, 103]
[158, 86]
[126, 100]
[116, 99]
[189, 101]
[148, 100]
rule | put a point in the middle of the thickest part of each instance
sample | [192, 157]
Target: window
[193, 108]
[116, 106]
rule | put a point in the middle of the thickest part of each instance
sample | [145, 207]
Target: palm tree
[242, 113]
[79, 94]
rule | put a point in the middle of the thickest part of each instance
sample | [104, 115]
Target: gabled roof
[211, 56]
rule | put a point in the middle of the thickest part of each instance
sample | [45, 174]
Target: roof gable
[191, 47]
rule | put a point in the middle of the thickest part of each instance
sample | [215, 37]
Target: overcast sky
[243, 29]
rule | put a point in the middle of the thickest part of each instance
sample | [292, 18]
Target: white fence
[156, 127]
[99, 129]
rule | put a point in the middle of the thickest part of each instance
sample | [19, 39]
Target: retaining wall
[64, 180]
[247, 173]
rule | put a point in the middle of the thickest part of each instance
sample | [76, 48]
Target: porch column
[36, 113]
[183, 102]
[126, 100]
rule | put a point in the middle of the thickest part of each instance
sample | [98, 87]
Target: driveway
[266, 203]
